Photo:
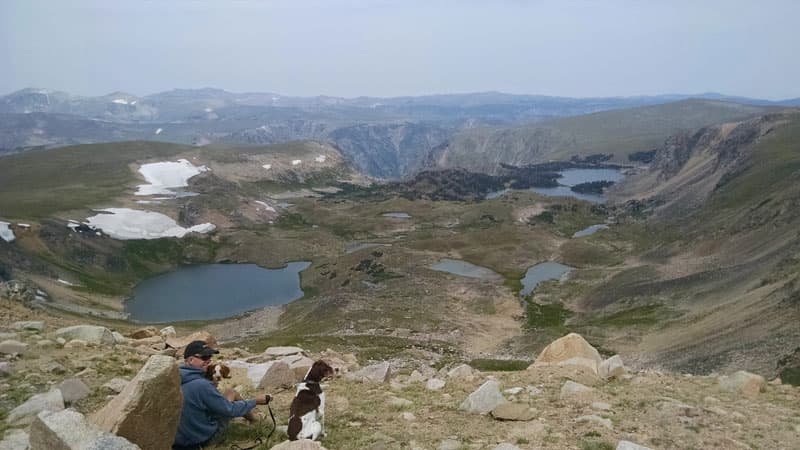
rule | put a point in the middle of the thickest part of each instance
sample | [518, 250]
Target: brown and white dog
[307, 412]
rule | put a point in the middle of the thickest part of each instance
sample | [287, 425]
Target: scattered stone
[514, 411]
[376, 373]
[416, 377]
[611, 368]
[596, 420]
[45, 343]
[61, 341]
[76, 343]
[434, 384]
[24, 413]
[533, 390]
[278, 375]
[408, 416]
[69, 430]
[449, 444]
[576, 392]
[571, 349]
[12, 347]
[745, 383]
[302, 444]
[116, 385]
[628, 445]
[54, 367]
[15, 440]
[399, 402]
[6, 369]
[147, 411]
[513, 391]
[31, 325]
[119, 339]
[278, 352]
[462, 371]
[143, 333]
[73, 390]
[88, 333]
[484, 399]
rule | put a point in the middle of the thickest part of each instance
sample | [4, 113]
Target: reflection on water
[213, 291]
[542, 272]
[397, 215]
[465, 269]
[590, 230]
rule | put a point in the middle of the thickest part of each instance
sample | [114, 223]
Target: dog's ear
[225, 371]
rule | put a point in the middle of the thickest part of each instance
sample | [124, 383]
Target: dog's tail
[295, 425]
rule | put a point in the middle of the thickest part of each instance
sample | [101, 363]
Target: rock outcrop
[571, 349]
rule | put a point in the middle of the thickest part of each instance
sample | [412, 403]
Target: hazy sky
[408, 47]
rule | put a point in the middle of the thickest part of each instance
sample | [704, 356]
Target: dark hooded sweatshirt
[203, 406]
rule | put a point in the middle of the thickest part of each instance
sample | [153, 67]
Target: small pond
[542, 272]
[397, 215]
[465, 269]
[588, 231]
[213, 291]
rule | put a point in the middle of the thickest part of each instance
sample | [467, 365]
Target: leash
[259, 440]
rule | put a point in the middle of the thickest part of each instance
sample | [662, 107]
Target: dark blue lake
[569, 178]
[213, 291]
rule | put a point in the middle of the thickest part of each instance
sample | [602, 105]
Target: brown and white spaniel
[307, 412]
[216, 372]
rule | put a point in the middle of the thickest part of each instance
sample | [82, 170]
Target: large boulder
[462, 371]
[49, 401]
[69, 430]
[30, 325]
[299, 364]
[568, 350]
[91, 334]
[147, 411]
[484, 399]
[611, 368]
[376, 373]
[745, 383]
[143, 333]
[255, 371]
[278, 375]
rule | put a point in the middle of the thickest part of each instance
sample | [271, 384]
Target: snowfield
[124, 223]
[164, 176]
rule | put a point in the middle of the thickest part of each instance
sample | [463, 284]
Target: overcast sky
[408, 47]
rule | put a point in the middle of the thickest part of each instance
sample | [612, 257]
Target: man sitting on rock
[206, 412]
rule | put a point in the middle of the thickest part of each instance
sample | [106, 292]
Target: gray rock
[484, 399]
[53, 367]
[376, 373]
[462, 371]
[23, 414]
[15, 440]
[119, 339]
[611, 368]
[399, 402]
[277, 352]
[278, 375]
[601, 406]
[512, 391]
[12, 347]
[408, 416]
[168, 332]
[73, 390]
[6, 369]
[416, 377]
[628, 445]
[5, 336]
[116, 385]
[576, 392]
[45, 343]
[434, 384]
[88, 333]
[31, 325]
[69, 430]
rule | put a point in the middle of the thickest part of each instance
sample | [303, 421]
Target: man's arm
[218, 405]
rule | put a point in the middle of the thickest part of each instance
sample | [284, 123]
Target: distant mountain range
[384, 137]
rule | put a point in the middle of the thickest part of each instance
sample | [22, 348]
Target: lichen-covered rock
[73, 390]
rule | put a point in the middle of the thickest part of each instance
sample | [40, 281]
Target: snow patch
[320, 158]
[65, 282]
[164, 176]
[266, 206]
[5, 233]
[267, 166]
[158, 131]
[120, 101]
[296, 161]
[124, 223]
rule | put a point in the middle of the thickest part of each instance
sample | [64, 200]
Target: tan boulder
[514, 411]
[569, 350]
[143, 333]
[278, 375]
[180, 342]
[576, 392]
[147, 410]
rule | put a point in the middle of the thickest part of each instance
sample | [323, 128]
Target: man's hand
[263, 399]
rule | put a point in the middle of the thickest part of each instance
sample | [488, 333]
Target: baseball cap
[198, 348]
